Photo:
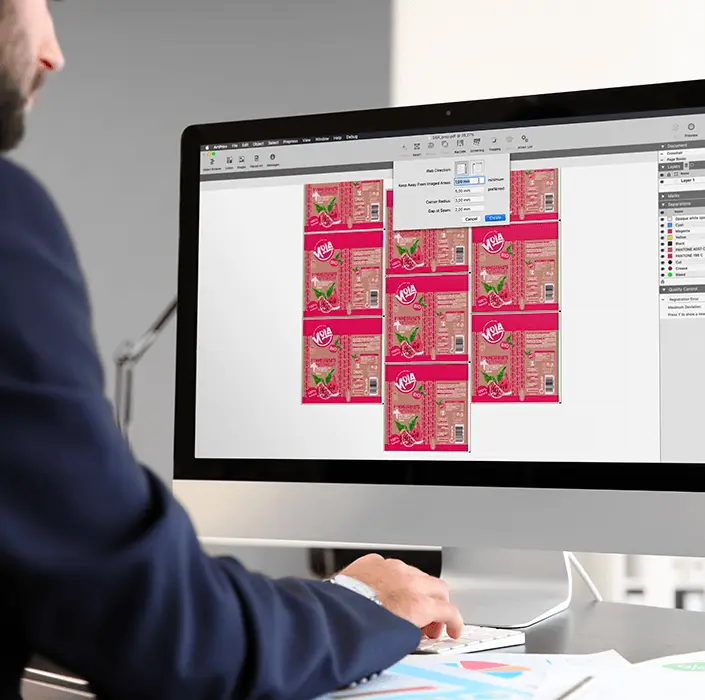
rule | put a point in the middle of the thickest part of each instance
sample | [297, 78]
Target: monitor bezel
[561, 108]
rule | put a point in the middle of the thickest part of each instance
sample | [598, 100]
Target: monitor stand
[507, 588]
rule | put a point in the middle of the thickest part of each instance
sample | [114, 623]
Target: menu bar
[656, 134]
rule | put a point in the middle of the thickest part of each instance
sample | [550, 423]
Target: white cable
[585, 576]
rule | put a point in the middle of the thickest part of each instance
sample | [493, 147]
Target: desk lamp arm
[126, 358]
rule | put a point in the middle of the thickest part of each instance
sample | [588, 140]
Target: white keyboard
[472, 639]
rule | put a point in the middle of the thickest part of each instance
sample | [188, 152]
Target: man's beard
[12, 113]
[13, 67]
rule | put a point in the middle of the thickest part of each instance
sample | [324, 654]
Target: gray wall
[104, 138]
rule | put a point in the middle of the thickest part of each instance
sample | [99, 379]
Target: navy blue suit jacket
[100, 569]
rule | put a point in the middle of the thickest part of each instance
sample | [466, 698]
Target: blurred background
[105, 140]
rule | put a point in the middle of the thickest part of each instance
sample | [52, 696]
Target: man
[100, 568]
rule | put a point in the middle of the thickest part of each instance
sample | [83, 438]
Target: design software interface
[532, 294]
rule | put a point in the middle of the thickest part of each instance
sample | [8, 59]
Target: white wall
[448, 50]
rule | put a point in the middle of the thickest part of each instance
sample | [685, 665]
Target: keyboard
[472, 639]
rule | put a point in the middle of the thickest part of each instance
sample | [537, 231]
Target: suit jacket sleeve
[109, 575]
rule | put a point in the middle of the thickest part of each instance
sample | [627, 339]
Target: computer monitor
[475, 326]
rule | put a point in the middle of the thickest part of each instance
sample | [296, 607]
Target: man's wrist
[357, 586]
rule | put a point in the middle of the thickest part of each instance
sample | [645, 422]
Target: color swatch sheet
[481, 676]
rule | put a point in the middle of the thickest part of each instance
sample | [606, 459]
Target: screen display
[525, 293]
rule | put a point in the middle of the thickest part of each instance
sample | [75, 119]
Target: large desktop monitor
[477, 326]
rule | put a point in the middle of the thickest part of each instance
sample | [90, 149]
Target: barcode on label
[373, 386]
[374, 212]
[548, 203]
[549, 384]
[549, 293]
[459, 434]
[460, 255]
[459, 344]
[374, 298]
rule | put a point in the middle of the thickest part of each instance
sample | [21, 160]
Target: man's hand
[409, 593]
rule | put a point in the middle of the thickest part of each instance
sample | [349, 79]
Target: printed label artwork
[534, 195]
[515, 267]
[426, 250]
[343, 274]
[427, 408]
[344, 206]
[515, 357]
[342, 360]
[427, 318]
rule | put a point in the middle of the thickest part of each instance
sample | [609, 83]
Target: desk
[638, 633]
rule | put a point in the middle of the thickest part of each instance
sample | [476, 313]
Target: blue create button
[495, 217]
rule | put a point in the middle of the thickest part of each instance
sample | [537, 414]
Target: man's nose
[51, 56]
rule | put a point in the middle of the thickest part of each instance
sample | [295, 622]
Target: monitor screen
[526, 291]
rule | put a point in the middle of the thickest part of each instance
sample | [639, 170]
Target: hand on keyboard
[472, 639]
[409, 593]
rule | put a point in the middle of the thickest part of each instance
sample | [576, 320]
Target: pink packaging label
[342, 360]
[343, 274]
[344, 206]
[425, 250]
[534, 195]
[515, 267]
[515, 357]
[427, 408]
[427, 318]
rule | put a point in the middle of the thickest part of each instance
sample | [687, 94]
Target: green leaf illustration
[316, 380]
[419, 388]
[338, 345]
[488, 377]
[318, 293]
[402, 250]
[319, 208]
[413, 335]
[329, 291]
[500, 284]
[331, 204]
[500, 375]
[329, 376]
[338, 257]
[415, 245]
[413, 422]
[527, 262]
[401, 338]
[400, 426]
[421, 301]
[488, 287]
